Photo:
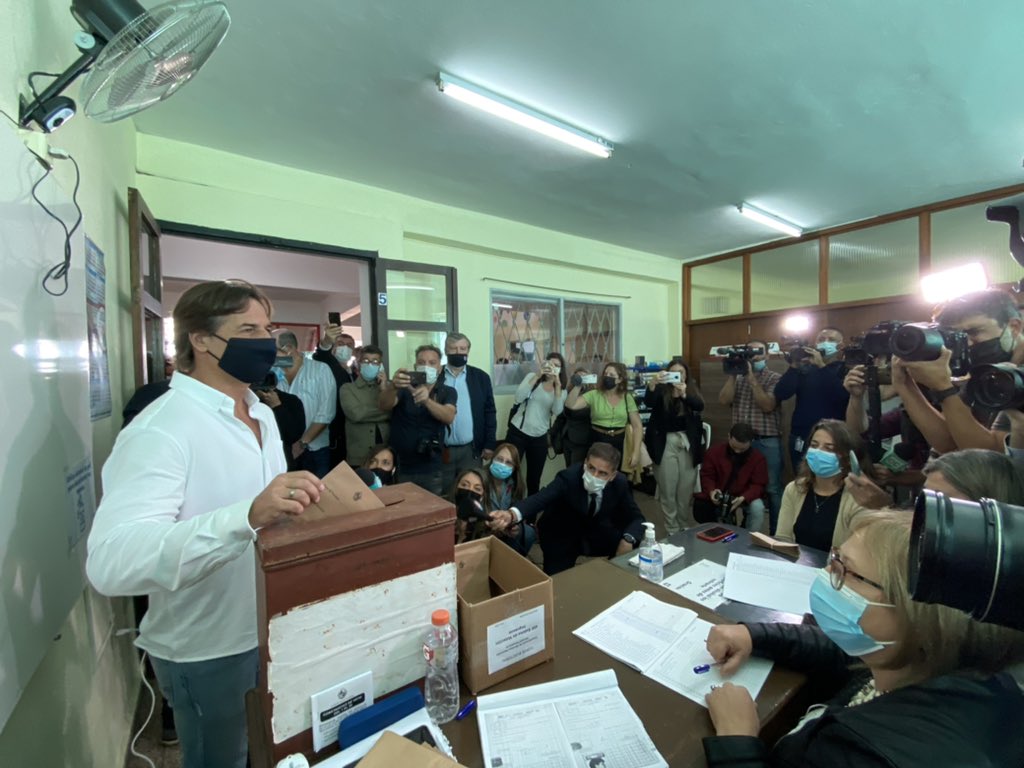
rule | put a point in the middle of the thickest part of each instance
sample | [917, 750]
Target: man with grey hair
[313, 383]
[471, 437]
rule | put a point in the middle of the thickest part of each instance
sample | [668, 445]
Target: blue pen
[470, 706]
[700, 669]
[730, 537]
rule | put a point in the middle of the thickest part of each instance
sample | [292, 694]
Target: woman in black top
[674, 439]
[576, 434]
[919, 685]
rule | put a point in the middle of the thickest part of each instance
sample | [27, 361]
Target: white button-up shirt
[314, 385]
[174, 520]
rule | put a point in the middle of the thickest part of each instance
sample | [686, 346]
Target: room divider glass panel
[963, 235]
[874, 262]
[784, 277]
[415, 295]
[415, 305]
[716, 289]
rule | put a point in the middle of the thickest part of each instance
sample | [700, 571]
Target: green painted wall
[77, 708]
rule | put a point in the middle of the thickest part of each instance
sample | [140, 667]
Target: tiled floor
[170, 757]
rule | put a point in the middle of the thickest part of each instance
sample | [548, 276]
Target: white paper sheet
[575, 722]
[773, 584]
[514, 639]
[637, 629]
[702, 582]
[674, 668]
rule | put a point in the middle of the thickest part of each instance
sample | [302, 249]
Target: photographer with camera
[733, 477]
[815, 377]
[422, 406]
[751, 393]
[992, 324]
[919, 685]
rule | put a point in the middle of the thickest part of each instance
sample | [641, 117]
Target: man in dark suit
[588, 510]
[336, 349]
[471, 437]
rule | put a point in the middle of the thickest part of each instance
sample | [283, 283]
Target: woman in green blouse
[613, 412]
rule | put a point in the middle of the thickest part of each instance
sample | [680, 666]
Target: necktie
[592, 506]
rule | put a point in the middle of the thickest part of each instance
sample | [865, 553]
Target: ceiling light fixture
[507, 109]
[763, 217]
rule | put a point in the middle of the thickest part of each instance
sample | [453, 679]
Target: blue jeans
[318, 462]
[771, 447]
[208, 699]
[753, 515]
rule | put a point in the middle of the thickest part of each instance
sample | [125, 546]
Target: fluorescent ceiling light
[950, 283]
[409, 288]
[506, 109]
[752, 212]
[502, 306]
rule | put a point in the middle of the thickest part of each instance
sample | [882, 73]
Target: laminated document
[666, 643]
[581, 721]
[774, 584]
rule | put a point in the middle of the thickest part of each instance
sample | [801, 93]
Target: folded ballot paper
[666, 643]
[669, 552]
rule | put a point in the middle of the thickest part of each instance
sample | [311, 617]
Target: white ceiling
[822, 111]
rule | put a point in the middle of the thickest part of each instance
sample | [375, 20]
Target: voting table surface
[718, 552]
[674, 723]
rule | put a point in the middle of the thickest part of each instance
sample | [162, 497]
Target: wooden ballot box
[345, 589]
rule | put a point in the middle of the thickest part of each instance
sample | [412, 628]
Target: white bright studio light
[950, 283]
[506, 109]
[796, 323]
[763, 217]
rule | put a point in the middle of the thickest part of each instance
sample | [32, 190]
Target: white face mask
[343, 353]
[431, 373]
[593, 484]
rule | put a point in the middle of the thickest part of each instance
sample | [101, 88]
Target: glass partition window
[963, 235]
[716, 289]
[402, 347]
[784, 277]
[419, 296]
[875, 262]
[527, 328]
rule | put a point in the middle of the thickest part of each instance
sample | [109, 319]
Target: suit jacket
[485, 414]
[564, 502]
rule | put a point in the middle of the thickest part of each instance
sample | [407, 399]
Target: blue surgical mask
[838, 613]
[827, 348]
[501, 471]
[369, 371]
[759, 365]
[823, 463]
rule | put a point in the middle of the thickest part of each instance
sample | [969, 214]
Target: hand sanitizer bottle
[651, 567]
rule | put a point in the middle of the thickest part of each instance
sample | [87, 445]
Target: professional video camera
[997, 387]
[795, 349]
[737, 358]
[921, 342]
[970, 556]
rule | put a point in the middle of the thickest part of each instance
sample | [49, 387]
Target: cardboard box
[506, 613]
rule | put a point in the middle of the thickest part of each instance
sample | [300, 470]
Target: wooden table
[674, 723]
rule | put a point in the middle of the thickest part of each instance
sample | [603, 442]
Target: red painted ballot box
[346, 588]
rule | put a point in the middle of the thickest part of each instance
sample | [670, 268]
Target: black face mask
[609, 382]
[247, 360]
[458, 361]
[467, 505]
[386, 476]
[989, 352]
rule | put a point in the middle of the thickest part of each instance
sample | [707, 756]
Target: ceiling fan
[132, 58]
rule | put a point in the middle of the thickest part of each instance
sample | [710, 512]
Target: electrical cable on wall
[57, 275]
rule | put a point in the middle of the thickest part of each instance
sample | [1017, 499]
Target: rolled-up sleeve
[326, 396]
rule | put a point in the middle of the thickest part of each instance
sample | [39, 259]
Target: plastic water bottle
[441, 650]
[651, 564]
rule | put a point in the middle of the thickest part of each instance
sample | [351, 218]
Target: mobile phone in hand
[334, 318]
[417, 378]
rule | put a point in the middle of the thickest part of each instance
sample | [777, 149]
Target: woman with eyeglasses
[919, 685]
[815, 510]
[613, 412]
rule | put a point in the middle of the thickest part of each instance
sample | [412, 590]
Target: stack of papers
[703, 583]
[665, 643]
[669, 552]
[582, 721]
[774, 584]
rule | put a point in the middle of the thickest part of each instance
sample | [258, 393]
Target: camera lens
[997, 387]
[968, 555]
[917, 342]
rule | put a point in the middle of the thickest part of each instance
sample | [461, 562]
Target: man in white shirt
[186, 486]
[313, 383]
